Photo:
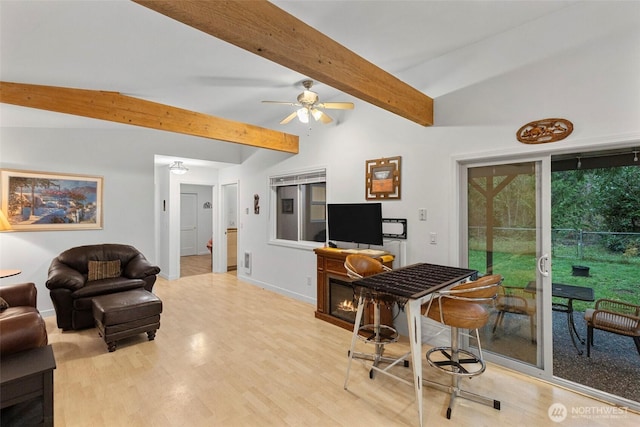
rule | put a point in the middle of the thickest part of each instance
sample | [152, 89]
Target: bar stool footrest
[386, 334]
[468, 365]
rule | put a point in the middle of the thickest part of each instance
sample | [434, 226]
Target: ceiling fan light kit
[303, 115]
[309, 104]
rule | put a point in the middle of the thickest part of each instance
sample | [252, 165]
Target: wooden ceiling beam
[268, 31]
[115, 107]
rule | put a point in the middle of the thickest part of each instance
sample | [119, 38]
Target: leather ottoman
[125, 314]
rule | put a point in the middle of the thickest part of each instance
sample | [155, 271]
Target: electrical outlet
[308, 280]
[433, 238]
[422, 214]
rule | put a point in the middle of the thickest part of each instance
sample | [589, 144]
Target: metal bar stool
[461, 307]
[359, 266]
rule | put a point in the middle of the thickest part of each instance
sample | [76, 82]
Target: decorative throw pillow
[3, 304]
[103, 269]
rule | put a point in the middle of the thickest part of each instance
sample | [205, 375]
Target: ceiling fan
[310, 106]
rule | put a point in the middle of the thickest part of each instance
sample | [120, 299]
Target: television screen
[355, 222]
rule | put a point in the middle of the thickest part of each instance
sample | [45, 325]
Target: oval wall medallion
[547, 130]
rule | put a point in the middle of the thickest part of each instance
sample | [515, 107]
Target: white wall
[162, 217]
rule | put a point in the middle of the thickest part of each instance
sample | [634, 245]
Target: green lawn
[611, 275]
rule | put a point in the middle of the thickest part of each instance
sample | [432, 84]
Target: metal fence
[566, 243]
[582, 244]
[505, 239]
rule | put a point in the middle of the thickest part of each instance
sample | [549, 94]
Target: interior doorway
[196, 229]
[230, 225]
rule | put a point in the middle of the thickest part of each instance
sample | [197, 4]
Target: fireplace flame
[346, 305]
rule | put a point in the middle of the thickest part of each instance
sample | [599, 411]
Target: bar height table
[411, 287]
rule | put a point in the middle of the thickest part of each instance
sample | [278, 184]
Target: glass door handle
[543, 265]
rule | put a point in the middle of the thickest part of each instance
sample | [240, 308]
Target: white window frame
[307, 176]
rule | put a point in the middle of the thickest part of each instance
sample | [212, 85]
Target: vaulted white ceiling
[121, 46]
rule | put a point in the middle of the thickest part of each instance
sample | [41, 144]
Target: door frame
[221, 258]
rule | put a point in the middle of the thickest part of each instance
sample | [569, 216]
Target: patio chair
[613, 316]
[516, 300]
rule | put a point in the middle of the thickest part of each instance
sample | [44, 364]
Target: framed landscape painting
[42, 201]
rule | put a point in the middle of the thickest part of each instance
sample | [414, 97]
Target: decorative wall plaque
[382, 179]
[542, 131]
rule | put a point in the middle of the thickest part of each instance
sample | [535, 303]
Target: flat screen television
[355, 222]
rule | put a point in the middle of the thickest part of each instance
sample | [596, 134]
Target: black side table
[27, 381]
[571, 293]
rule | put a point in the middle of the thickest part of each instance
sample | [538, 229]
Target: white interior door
[188, 224]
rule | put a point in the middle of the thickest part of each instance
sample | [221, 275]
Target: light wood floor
[231, 354]
[194, 265]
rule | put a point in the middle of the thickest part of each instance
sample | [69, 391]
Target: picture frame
[46, 201]
[383, 179]
[287, 206]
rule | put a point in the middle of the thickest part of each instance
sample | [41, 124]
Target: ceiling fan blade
[289, 118]
[319, 115]
[337, 105]
[292, 104]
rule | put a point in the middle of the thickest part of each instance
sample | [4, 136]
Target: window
[300, 206]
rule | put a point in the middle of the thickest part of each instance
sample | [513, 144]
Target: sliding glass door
[596, 256]
[505, 235]
[510, 212]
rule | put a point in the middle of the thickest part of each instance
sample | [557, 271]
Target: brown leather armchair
[21, 326]
[79, 274]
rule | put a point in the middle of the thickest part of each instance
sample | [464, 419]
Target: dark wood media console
[332, 280]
